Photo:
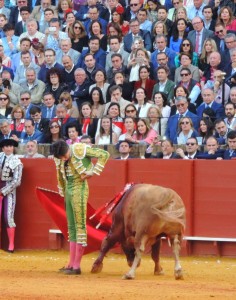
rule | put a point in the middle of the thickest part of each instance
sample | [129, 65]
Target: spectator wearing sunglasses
[185, 131]
[172, 12]
[220, 33]
[182, 111]
[132, 9]
[191, 149]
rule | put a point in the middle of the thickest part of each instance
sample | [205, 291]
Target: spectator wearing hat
[11, 173]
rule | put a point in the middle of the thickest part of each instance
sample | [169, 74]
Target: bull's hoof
[128, 276]
[97, 268]
[159, 272]
[179, 274]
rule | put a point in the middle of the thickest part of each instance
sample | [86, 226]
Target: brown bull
[144, 215]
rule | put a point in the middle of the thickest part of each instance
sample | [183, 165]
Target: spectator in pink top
[145, 134]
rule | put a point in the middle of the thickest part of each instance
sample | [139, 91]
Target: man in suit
[209, 23]
[167, 151]
[191, 149]
[182, 111]
[21, 26]
[25, 103]
[94, 48]
[221, 131]
[40, 123]
[230, 153]
[15, 16]
[34, 85]
[199, 34]
[163, 60]
[164, 84]
[115, 47]
[136, 31]
[82, 13]
[124, 148]
[213, 151]
[230, 112]
[229, 59]
[219, 38]
[132, 10]
[30, 133]
[65, 45]
[161, 46]
[190, 84]
[49, 108]
[93, 15]
[208, 101]
[6, 132]
[80, 90]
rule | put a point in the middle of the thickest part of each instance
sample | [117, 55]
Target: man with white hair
[31, 150]
[80, 90]
[32, 32]
[65, 45]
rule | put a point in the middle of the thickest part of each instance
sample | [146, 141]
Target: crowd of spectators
[120, 72]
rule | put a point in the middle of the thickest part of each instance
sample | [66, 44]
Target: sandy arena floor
[34, 275]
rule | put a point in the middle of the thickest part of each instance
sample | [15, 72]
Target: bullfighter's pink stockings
[72, 254]
[11, 237]
[78, 256]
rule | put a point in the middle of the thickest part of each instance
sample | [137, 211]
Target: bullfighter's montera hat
[8, 142]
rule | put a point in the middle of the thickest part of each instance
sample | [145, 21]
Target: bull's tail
[167, 210]
[175, 216]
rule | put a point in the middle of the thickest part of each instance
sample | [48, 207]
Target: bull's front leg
[136, 262]
[139, 243]
[176, 249]
[109, 241]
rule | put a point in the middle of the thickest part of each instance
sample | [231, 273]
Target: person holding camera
[141, 58]
[9, 87]
[54, 35]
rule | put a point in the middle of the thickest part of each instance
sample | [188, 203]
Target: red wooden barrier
[207, 188]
